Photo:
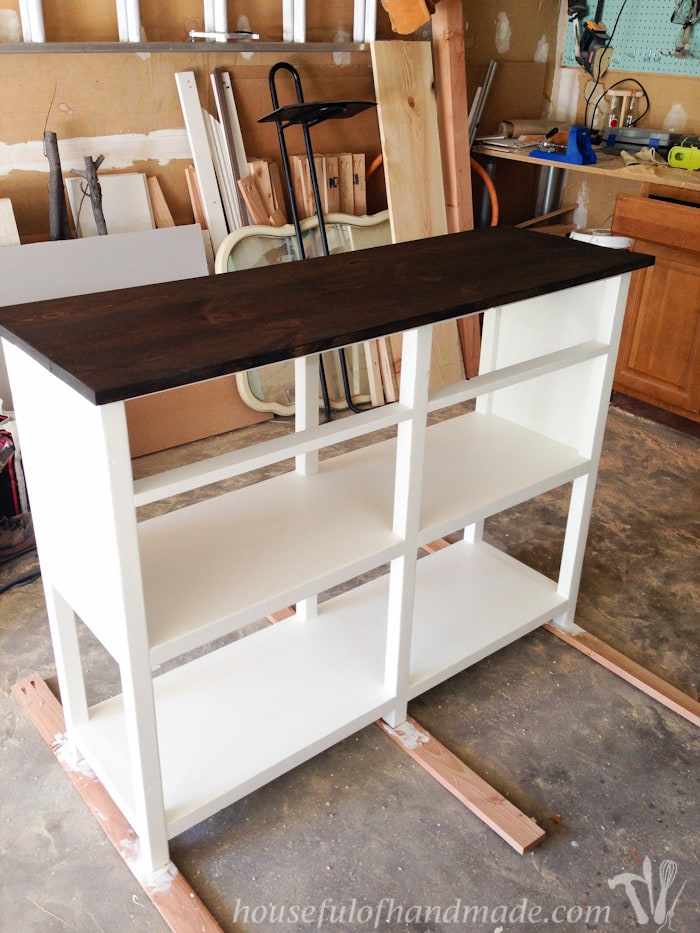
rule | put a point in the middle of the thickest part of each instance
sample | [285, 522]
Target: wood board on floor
[408, 126]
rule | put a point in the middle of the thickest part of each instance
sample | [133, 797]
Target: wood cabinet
[172, 748]
[659, 360]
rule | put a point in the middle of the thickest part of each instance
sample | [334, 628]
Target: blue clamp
[578, 149]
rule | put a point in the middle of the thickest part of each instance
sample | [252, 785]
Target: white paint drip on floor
[67, 754]
[120, 151]
[159, 881]
[408, 735]
[503, 33]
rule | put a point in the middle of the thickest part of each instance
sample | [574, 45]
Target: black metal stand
[306, 115]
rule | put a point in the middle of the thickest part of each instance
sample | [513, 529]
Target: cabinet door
[659, 360]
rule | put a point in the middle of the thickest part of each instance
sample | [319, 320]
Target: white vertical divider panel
[408, 483]
[306, 407]
[294, 20]
[201, 156]
[612, 311]
[129, 20]
[365, 21]
[99, 545]
[306, 416]
[216, 18]
[31, 15]
[484, 403]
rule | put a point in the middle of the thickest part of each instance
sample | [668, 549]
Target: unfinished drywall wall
[512, 31]
[125, 105]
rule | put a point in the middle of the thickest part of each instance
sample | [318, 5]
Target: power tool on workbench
[592, 42]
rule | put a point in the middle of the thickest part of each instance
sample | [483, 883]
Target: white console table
[173, 748]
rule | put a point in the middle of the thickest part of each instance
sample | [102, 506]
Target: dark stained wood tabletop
[120, 344]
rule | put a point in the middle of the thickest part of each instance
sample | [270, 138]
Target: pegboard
[644, 40]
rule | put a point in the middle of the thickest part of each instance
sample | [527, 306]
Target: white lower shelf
[227, 561]
[233, 720]
[470, 601]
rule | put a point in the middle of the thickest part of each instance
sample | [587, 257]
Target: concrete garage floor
[360, 837]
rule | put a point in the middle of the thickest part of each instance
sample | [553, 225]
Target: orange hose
[374, 166]
[483, 174]
[475, 167]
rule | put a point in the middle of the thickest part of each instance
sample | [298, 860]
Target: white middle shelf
[207, 568]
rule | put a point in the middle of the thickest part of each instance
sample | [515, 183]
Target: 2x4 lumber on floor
[519, 831]
[169, 891]
[618, 663]
[632, 672]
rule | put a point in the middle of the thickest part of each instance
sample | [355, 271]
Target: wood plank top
[121, 344]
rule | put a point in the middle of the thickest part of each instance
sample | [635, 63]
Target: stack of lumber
[341, 182]
[263, 194]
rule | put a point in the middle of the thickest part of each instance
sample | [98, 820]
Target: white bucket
[601, 237]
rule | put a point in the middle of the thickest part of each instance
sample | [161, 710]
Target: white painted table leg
[614, 299]
[64, 636]
[306, 416]
[410, 446]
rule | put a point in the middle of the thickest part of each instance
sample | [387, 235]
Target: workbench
[175, 747]
[553, 175]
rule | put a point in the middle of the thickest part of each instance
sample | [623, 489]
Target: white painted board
[126, 204]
